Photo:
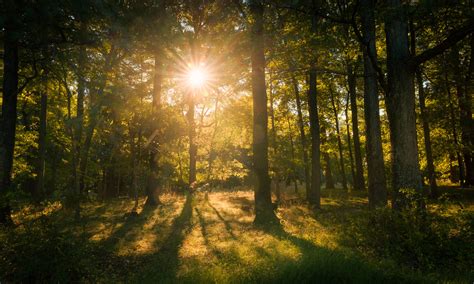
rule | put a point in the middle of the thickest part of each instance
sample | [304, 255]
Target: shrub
[41, 252]
[417, 237]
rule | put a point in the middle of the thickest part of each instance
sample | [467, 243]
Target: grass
[210, 238]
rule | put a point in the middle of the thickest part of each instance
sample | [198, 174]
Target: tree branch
[451, 40]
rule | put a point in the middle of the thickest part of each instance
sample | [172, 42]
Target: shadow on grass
[163, 265]
[319, 264]
[129, 227]
[226, 223]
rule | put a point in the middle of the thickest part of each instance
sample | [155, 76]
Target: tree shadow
[129, 227]
[320, 264]
[163, 265]
[205, 234]
[227, 225]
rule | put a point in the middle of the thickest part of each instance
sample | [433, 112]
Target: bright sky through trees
[197, 76]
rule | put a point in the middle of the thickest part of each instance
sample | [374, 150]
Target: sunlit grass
[209, 237]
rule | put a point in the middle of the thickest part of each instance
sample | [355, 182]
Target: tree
[375, 165]
[263, 204]
[9, 103]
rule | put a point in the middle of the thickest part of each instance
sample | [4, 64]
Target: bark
[377, 185]
[302, 133]
[400, 102]
[349, 144]
[40, 170]
[339, 143]
[152, 186]
[263, 203]
[9, 111]
[314, 195]
[359, 182]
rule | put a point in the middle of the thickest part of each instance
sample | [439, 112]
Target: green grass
[204, 239]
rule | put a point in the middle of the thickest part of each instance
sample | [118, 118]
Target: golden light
[197, 77]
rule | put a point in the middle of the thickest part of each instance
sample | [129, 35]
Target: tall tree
[375, 165]
[263, 203]
[339, 141]
[9, 103]
[359, 182]
[400, 101]
[294, 82]
[314, 195]
[424, 116]
[400, 97]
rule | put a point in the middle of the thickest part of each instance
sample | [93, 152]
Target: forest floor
[210, 238]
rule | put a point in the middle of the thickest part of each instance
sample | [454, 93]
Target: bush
[41, 252]
[416, 237]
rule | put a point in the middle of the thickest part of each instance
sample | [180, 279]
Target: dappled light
[242, 141]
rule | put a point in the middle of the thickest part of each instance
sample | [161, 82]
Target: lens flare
[197, 77]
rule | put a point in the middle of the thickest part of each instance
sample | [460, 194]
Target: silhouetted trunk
[460, 177]
[327, 162]
[377, 185]
[192, 142]
[339, 143]
[152, 185]
[293, 157]
[40, 177]
[263, 203]
[424, 118]
[302, 133]
[465, 114]
[359, 182]
[349, 144]
[276, 179]
[314, 195]
[212, 152]
[9, 112]
[77, 130]
[400, 101]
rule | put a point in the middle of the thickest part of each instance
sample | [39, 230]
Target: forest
[236, 141]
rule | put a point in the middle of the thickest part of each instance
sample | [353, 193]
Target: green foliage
[415, 237]
[42, 252]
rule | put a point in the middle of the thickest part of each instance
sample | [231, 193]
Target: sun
[197, 77]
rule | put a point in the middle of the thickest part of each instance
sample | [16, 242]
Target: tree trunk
[400, 101]
[454, 132]
[339, 143]
[349, 144]
[152, 185]
[274, 141]
[9, 112]
[314, 195]
[359, 182]
[40, 174]
[426, 135]
[302, 133]
[192, 143]
[465, 114]
[327, 162]
[375, 164]
[424, 117]
[293, 157]
[263, 203]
